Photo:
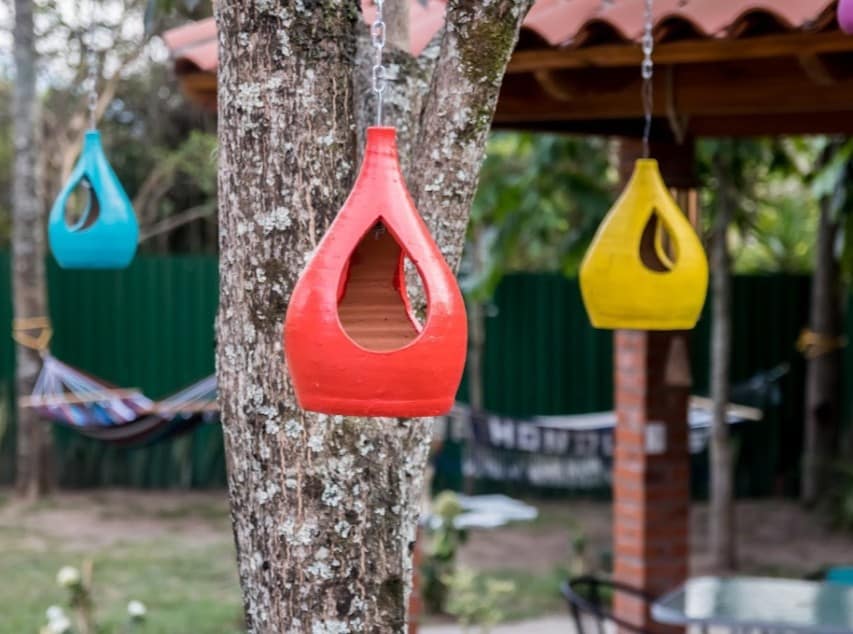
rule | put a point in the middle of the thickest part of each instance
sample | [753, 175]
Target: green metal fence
[151, 326]
[543, 357]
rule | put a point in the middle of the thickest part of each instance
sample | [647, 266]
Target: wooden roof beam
[680, 52]
[711, 126]
[773, 87]
[815, 68]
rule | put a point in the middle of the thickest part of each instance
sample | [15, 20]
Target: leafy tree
[776, 228]
[164, 152]
[162, 148]
[821, 342]
[540, 200]
[749, 188]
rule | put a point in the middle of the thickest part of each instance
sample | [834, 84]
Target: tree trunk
[823, 368]
[476, 329]
[721, 515]
[28, 277]
[324, 508]
[476, 344]
[476, 341]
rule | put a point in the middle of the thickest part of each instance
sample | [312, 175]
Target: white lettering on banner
[528, 437]
[555, 441]
[544, 471]
[502, 432]
[547, 472]
[607, 445]
[493, 468]
[506, 433]
[503, 448]
[585, 473]
[586, 444]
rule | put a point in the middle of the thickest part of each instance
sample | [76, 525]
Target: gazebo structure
[722, 68]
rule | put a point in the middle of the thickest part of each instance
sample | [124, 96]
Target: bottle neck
[381, 147]
[92, 139]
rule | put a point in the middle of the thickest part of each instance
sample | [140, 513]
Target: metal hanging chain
[92, 70]
[647, 70]
[377, 33]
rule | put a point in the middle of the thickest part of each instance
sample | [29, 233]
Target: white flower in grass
[59, 626]
[136, 610]
[54, 613]
[68, 577]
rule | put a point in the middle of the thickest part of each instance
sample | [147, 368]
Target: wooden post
[651, 475]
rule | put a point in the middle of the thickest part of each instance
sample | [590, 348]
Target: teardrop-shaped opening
[374, 305]
[657, 248]
[81, 206]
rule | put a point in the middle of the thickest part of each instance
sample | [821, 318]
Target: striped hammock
[97, 409]
[66, 394]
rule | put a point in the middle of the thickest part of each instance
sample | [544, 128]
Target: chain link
[646, 71]
[92, 99]
[380, 73]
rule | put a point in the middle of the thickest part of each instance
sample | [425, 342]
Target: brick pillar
[651, 474]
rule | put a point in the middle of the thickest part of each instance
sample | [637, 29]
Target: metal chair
[591, 597]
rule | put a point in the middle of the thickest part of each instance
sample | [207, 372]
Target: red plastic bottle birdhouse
[352, 342]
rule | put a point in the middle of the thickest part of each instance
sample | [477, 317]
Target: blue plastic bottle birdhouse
[106, 233]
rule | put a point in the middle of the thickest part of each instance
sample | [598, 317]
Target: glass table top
[772, 604]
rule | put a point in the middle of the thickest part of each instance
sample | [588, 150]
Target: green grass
[181, 565]
[188, 589]
[534, 595]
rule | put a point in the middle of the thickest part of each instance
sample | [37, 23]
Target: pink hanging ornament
[845, 15]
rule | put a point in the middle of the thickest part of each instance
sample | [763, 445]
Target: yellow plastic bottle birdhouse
[646, 268]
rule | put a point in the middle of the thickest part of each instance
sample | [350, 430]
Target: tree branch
[156, 184]
[478, 40]
[177, 220]
[396, 15]
[78, 124]
[409, 79]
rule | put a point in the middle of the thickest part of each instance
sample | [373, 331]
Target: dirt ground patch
[174, 552]
[775, 537]
[87, 520]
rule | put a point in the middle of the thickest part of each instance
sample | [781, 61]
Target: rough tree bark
[324, 509]
[721, 514]
[823, 367]
[28, 280]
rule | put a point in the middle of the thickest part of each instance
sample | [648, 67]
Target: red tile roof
[193, 46]
[573, 24]
[731, 67]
